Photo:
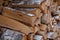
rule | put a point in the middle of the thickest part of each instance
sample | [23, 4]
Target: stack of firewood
[36, 19]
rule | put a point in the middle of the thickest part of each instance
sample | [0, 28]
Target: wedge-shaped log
[22, 16]
[12, 24]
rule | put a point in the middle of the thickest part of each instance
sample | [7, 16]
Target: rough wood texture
[26, 18]
[15, 25]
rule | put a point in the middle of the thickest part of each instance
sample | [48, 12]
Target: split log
[22, 16]
[12, 24]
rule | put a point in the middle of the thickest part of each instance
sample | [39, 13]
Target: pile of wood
[36, 19]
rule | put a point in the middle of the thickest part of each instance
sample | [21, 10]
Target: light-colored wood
[53, 7]
[49, 2]
[15, 25]
[58, 1]
[37, 22]
[24, 37]
[43, 27]
[31, 36]
[58, 32]
[26, 18]
[42, 32]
